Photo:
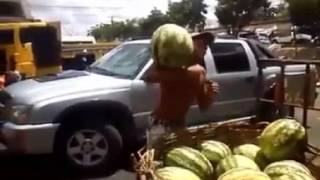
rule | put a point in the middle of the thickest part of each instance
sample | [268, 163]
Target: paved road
[42, 167]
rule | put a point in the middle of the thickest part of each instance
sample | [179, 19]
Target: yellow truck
[31, 47]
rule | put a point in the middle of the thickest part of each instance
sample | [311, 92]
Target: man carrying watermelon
[178, 68]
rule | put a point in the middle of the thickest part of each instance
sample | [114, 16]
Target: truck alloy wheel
[87, 147]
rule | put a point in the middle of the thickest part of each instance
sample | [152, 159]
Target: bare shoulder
[196, 70]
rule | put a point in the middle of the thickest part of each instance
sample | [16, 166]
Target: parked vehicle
[89, 118]
[29, 46]
[300, 37]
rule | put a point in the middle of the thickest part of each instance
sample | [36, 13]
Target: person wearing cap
[179, 89]
[200, 43]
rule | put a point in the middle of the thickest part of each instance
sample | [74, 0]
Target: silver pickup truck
[90, 118]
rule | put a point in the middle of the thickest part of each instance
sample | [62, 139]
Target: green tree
[306, 14]
[188, 13]
[235, 14]
[118, 29]
[130, 28]
[152, 22]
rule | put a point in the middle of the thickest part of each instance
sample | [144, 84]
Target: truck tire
[89, 146]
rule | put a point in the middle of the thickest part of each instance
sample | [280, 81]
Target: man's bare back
[180, 88]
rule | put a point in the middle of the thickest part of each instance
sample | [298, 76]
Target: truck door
[235, 71]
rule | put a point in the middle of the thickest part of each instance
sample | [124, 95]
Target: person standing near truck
[9, 77]
[2, 81]
[179, 89]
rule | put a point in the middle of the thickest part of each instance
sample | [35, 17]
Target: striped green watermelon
[175, 173]
[253, 152]
[235, 161]
[248, 150]
[285, 167]
[243, 174]
[190, 159]
[215, 150]
[294, 176]
[172, 46]
[280, 139]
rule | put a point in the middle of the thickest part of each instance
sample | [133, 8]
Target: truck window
[6, 37]
[259, 50]
[125, 61]
[230, 57]
[45, 44]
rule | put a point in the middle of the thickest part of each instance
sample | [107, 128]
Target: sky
[77, 16]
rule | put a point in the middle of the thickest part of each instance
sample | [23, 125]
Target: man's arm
[206, 93]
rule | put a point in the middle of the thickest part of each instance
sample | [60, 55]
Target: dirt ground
[301, 52]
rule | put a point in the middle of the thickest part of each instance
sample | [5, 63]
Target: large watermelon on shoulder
[175, 173]
[172, 46]
[244, 173]
[285, 167]
[191, 159]
[280, 139]
[215, 150]
[235, 161]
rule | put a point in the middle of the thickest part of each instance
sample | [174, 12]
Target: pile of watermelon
[214, 160]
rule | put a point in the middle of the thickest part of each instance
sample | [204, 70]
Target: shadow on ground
[45, 167]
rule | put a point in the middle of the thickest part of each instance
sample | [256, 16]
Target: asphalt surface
[44, 167]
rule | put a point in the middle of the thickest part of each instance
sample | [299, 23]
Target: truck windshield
[125, 61]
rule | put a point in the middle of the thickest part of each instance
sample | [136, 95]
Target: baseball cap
[206, 35]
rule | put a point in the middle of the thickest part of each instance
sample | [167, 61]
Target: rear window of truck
[230, 57]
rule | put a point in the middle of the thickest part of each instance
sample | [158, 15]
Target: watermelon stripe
[224, 148]
[243, 173]
[175, 173]
[199, 156]
[294, 176]
[283, 167]
[186, 162]
[190, 159]
[235, 161]
[215, 150]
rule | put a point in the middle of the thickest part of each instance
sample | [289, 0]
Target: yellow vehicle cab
[30, 47]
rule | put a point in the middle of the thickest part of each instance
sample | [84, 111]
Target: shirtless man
[181, 87]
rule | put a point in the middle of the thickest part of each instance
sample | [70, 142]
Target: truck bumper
[28, 139]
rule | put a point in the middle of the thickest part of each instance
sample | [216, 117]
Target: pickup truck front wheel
[89, 147]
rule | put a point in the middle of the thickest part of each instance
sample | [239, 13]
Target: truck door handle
[250, 79]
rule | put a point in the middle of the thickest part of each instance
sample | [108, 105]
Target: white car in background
[290, 38]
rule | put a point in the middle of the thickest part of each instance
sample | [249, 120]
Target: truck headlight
[20, 113]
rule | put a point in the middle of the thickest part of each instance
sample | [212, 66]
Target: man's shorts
[155, 132]
[158, 129]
